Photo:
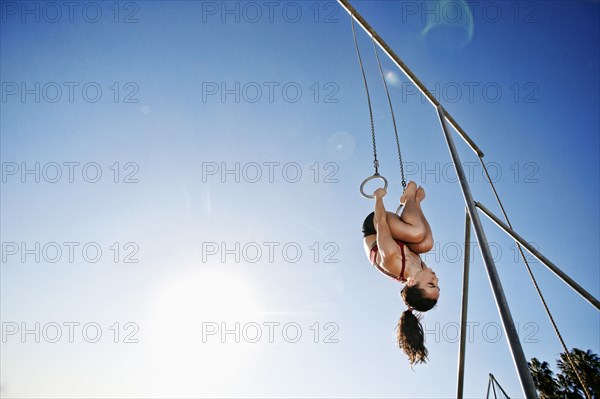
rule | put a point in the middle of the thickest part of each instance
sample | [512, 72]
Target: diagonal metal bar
[499, 386]
[406, 70]
[536, 285]
[562, 275]
[508, 324]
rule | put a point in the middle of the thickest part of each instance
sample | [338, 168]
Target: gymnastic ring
[368, 179]
[399, 209]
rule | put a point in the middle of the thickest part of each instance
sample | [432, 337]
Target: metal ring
[399, 209]
[368, 179]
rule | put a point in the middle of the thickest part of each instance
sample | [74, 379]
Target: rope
[362, 70]
[537, 288]
[393, 117]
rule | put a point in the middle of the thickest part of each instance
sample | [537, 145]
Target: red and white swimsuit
[373, 258]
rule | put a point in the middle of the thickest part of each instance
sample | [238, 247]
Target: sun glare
[197, 334]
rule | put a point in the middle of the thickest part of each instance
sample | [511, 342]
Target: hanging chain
[393, 117]
[362, 70]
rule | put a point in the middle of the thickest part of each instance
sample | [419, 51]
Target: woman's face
[426, 280]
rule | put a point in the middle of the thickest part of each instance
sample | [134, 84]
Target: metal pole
[508, 324]
[494, 386]
[463, 312]
[565, 278]
[404, 68]
[500, 386]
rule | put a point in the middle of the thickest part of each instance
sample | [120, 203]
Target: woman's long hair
[410, 332]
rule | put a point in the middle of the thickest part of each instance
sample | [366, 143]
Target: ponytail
[411, 339]
[410, 331]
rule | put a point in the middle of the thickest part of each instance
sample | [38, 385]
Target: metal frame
[519, 359]
[413, 78]
[545, 261]
[505, 316]
[463, 313]
[493, 382]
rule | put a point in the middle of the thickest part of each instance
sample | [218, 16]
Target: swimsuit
[369, 229]
[373, 258]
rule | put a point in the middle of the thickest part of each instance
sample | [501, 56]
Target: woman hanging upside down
[393, 244]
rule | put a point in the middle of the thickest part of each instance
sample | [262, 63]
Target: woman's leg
[412, 226]
[426, 244]
[408, 227]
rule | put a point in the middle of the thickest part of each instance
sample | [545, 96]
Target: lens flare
[450, 26]
[392, 78]
[340, 146]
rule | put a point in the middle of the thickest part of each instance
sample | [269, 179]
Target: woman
[393, 244]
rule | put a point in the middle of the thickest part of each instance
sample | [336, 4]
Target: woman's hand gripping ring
[368, 179]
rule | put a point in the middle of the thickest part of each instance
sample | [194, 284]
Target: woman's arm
[388, 248]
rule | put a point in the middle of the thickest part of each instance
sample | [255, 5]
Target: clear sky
[180, 205]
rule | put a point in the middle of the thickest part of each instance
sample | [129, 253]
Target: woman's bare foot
[409, 193]
[420, 195]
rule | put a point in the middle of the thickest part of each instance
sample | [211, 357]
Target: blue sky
[231, 139]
